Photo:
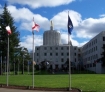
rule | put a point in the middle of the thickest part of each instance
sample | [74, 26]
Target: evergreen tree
[5, 20]
[103, 56]
[15, 51]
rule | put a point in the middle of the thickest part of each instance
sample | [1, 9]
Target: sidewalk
[18, 90]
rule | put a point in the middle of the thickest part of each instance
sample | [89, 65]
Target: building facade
[57, 54]
[53, 51]
[91, 53]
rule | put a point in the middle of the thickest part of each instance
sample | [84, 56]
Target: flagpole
[7, 59]
[34, 27]
[33, 59]
[69, 64]
[1, 62]
[69, 57]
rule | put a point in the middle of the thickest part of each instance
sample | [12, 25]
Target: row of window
[90, 44]
[62, 54]
[90, 65]
[90, 51]
[56, 48]
[76, 48]
[93, 57]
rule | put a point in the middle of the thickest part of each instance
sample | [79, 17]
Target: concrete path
[18, 90]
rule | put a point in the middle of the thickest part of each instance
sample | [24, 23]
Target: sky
[88, 18]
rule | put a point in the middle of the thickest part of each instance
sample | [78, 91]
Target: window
[103, 45]
[45, 48]
[50, 48]
[96, 56]
[37, 54]
[75, 54]
[75, 59]
[56, 54]
[50, 54]
[96, 40]
[75, 48]
[79, 55]
[90, 44]
[96, 47]
[103, 38]
[56, 48]
[67, 48]
[45, 54]
[62, 60]
[67, 54]
[61, 48]
[62, 54]
[79, 50]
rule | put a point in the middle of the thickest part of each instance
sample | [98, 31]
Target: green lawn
[85, 82]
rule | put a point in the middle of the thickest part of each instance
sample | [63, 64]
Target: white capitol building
[57, 54]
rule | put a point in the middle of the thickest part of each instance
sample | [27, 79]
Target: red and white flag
[35, 26]
[8, 29]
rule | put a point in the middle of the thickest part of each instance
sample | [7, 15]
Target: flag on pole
[47, 63]
[35, 26]
[34, 62]
[8, 29]
[70, 25]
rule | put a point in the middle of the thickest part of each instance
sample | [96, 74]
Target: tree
[21, 58]
[103, 56]
[5, 20]
[24, 58]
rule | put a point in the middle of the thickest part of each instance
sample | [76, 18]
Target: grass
[85, 82]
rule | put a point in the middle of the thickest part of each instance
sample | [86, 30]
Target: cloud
[89, 27]
[20, 14]
[24, 16]
[28, 41]
[83, 28]
[60, 19]
[64, 39]
[86, 28]
[102, 15]
[40, 3]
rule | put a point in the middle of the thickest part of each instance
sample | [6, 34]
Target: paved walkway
[18, 90]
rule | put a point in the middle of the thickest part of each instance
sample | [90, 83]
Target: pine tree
[103, 56]
[5, 20]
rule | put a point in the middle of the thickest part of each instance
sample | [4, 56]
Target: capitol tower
[51, 37]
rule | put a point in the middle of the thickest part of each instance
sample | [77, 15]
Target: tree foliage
[103, 56]
[15, 50]
[6, 19]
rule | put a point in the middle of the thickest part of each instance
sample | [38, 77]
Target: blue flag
[29, 62]
[70, 25]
